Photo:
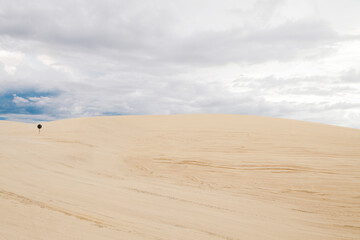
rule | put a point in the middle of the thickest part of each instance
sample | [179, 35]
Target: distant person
[39, 126]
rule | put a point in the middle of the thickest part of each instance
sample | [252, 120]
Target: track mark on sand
[19, 198]
[177, 199]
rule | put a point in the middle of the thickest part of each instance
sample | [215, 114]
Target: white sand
[179, 177]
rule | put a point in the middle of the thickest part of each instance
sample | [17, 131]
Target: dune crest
[179, 177]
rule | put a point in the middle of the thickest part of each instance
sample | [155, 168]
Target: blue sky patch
[19, 101]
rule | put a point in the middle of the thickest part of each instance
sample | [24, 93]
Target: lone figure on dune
[39, 126]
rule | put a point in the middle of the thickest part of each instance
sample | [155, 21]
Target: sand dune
[179, 177]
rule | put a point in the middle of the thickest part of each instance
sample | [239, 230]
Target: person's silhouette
[39, 126]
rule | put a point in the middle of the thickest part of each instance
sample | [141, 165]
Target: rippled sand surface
[179, 177]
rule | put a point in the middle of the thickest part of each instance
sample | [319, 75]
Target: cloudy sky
[297, 59]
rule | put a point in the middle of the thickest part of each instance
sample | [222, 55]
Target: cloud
[142, 36]
[63, 59]
[351, 76]
[282, 43]
[19, 100]
[10, 60]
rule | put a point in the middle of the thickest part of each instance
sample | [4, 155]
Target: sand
[179, 177]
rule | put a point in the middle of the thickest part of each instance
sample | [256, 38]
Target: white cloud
[39, 100]
[19, 100]
[10, 60]
[351, 76]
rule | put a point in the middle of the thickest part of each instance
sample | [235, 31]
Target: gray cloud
[146, 37]
[284, 42]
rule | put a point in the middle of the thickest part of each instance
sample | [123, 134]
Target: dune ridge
[179, 177]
